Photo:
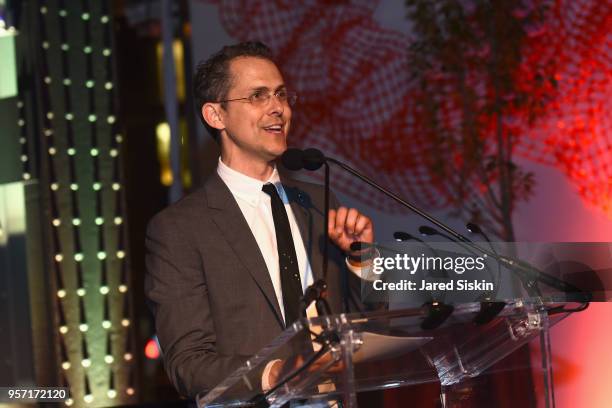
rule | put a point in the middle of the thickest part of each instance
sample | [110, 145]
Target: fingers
[335, 222]
[363, 225]
[349, 221]
[347, 225]
[331, 224]
[341, 215]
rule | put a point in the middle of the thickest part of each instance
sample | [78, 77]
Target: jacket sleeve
[176, 292]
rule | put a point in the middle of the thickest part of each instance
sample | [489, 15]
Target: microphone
[428, 231]
[475, 229]
[293, 159]
[402, 236]
[313, 159]
[297, 159]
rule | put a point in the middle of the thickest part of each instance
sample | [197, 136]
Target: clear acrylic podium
[331, 358]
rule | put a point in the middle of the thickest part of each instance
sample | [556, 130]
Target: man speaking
[227, 265]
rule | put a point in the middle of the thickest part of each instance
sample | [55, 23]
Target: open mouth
[275, 129]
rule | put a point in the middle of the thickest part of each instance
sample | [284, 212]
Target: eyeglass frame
[289, 95]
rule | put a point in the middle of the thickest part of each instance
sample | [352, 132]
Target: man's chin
[277, 152]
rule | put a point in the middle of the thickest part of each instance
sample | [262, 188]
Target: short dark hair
[212, 80]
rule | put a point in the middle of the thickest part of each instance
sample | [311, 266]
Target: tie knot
[270, 190]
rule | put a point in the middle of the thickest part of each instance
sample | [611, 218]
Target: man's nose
[276, 106]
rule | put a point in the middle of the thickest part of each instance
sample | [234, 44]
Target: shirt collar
[248, 188]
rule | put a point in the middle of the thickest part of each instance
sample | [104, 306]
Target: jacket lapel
[230, 220]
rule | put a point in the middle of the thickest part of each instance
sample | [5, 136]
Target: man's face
[254, 132]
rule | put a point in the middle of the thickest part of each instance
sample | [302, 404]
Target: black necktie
[291, 284]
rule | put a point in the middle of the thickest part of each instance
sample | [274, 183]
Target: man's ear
[212, 116]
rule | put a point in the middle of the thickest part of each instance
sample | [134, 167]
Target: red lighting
[152, 350]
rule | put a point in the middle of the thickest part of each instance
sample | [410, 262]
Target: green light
[88, 398]
[108, 359]
[65, 47]
[67, 82]
[71, 151]
[92, 117]
[89, 83]
[26, 176]
[81, 292]
[23, 158]
[106, 52]
[106, 324]
[99, 221]
[87, 49]
[20, 122]
[108, 86]
[69, 116]
[85, 16]
[104, 19]
[47, 80]
[83, 327]
[111, 393]
[45, 45]
[101, 255]
[97, 186]
[94, 152]
[74, 187]
[116, 186]
[78, 257]
[43, 10]
[63, 13]
[69, 402]
[104, 291]
[86, 363]
[9, 64]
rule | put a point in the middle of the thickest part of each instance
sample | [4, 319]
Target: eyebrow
[265, 88]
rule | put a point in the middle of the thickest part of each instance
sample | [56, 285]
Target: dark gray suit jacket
[208, 285]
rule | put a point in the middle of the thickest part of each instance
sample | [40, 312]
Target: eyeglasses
[262, 97]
